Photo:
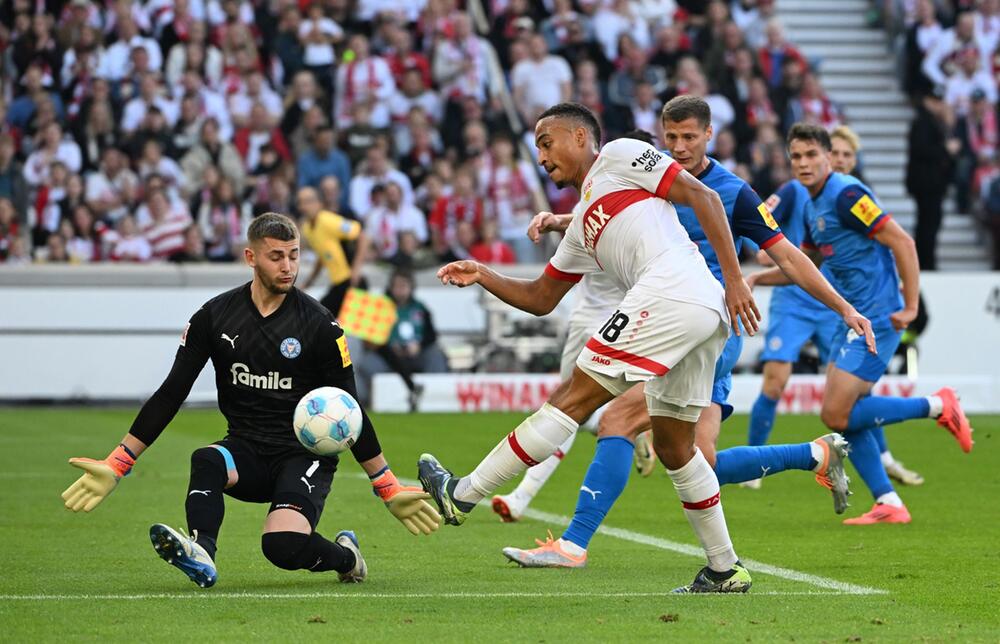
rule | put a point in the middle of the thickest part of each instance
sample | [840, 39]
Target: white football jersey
[597, 297]
[624, 226]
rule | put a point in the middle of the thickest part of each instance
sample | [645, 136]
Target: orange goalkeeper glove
[406, 503]
[99, 479]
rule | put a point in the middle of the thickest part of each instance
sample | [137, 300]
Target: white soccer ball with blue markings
[327, 421]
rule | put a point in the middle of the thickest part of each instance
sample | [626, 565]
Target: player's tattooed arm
[708, 208]
[905, 253]
[547, 222]
[538, 296]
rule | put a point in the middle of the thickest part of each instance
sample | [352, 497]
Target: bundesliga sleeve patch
[345, 353]
[865, 210]
[766, 215]
[184, 334]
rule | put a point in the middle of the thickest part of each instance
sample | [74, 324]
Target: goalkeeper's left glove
[100, 478]
[407, 503]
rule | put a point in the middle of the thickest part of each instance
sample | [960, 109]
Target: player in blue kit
[865, 254]
[796, 318]
[687, 130]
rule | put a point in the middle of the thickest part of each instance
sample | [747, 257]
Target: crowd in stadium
[951, 54]
[150, 131]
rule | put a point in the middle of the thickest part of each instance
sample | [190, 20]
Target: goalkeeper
[269, 343]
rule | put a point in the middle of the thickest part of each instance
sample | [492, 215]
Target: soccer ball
[327, 421]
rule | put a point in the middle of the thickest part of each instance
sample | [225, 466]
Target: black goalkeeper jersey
[263, 366]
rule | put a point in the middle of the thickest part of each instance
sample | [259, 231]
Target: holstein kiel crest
[291, 348]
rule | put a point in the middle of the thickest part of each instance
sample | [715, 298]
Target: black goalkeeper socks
[313, 552]
[204, 505]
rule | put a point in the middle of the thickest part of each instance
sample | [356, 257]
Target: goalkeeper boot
[831, 474]
[549, 554]
[953, 418]
[645, 457]
[357, 574]
[440, 484]
[507, 507]
[735, 580]
[183, 552]
[897, 472]
[881, 513]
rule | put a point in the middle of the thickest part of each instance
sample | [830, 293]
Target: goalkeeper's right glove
[99, 480]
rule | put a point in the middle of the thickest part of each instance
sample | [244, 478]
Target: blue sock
[739, 464]
[879, 434]
[868, 461]
[606, 478]
[884, 410]
[761, 419]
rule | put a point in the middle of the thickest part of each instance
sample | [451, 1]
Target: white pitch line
[686, 549]
[208, 594]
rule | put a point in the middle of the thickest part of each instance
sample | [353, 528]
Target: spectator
[813, 106]
[540, 81]
[941, 61]
[257, 133]
[10, 227]
[210, 103]
[13, 185]
[375, 171]
[489, 249]
[385, 223]
[117, 58]
[166, 226]
[513, 196]
[460, 62]
[633, 69]
[52, 147]
[152, 161]
[402, 59]
[111, 190]
[150, 95]
[774, 54]
[968, 78]
[323, 159]
[255, 91]
[55, 250]
[223, 221]
[614, 19]
[930, 163]
[365, 79]
[23, 109]
[318, 34]
[194, 247]
[196, 52]
[216, 151]
[977, 130]
[127, 245]
[463, 205]
[671, 46]
[95, 134]
[921, 38]
[412, 346]
[83, 243]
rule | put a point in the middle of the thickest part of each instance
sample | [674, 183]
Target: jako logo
[273, 380]
[604, 361]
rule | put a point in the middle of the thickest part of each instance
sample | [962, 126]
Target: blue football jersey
[788, 206]
[841, 222]
[748, 216]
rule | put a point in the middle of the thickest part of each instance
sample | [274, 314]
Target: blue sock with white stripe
[761, 419]
[605, 480]
[739, 464]
[875, 411]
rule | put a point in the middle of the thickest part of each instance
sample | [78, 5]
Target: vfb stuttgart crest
[290, 348]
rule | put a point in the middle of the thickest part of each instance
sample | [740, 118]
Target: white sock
[937, 406]
[887, 459]
[534, 440]
[537, 475]
[698, 489]
[571, 548]
[890, 498]
[818, 455]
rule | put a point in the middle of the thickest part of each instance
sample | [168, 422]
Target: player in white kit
[668, 330]
[597, 296]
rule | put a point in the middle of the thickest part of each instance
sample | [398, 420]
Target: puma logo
[303, 479]
[231, 341]
[204, 492]
[593, 493]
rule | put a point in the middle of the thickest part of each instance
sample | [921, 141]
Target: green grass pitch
[95, 577]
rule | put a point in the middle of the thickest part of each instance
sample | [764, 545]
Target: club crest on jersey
[593, 223]
[290, 348]
[821, 224]
[587, 190]
[773, 201]
[766, 215]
